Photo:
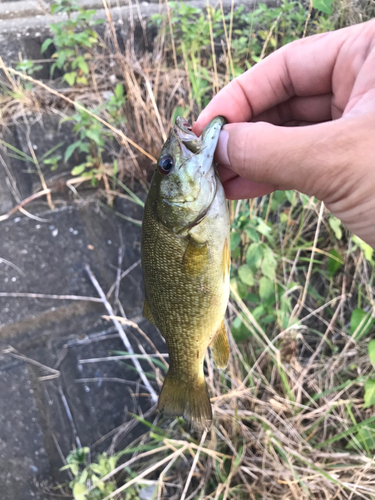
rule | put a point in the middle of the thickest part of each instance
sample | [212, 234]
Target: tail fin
[190, 400]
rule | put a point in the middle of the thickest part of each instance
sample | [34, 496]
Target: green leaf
[270, 318]
[52, 69]
[94, 135]
[269, 263]
[266, 288]
[324, 6]
[246, 275]
[61, 58]
[360, 317]
[82, 80]
[371, 352]
[84, 147]
[55, 7]
[119, 91]
[239, 330]
[252, 234]
[334, 262]
[74, 469]
[258, 312]
[254, 255]
[46, 44]
[235, 239]
[369, 393]
[78, 491]
[78, 169]
[83, 66]
[70, 78]
[112, 462]
[365, 438]
[283, 217]
[98, 469]
[335, 226]
[289, 195]
[239, 287]
[264, 229]
[52, 160]
[366, 249]
[70, 150]
[253, 298]
[84, 476]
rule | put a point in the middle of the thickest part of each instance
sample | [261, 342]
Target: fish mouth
[178, 203]
[184, 134]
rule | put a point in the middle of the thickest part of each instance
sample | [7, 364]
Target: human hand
[325, 83]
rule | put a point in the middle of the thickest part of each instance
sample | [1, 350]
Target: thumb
[308, 158]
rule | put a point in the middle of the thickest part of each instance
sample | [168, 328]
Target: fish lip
[185, 136]
[177, 203]
[183, 124]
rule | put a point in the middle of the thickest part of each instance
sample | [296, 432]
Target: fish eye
[165, 164]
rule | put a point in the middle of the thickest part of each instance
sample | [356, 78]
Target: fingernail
[221, 154]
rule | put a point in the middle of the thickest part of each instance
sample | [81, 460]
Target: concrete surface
[41, 419]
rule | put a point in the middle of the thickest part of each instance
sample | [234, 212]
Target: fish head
[185, 179]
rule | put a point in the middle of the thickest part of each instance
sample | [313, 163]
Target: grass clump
[215, 47]
[74, 40]
[93, 476]
[294, 410]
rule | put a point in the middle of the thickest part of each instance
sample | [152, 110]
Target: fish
[185, 251]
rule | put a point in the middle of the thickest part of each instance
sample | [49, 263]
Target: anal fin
[147, 313]
[220, 347]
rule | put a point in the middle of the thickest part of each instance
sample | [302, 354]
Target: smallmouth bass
[186, 265]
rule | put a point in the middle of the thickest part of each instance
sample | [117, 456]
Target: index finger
[301, 68]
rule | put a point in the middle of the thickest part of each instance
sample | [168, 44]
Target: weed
[29, 67]
[89, 476]
[53, 161]
[74, 39]
[198, 39]
[91, 141]
[114, 105]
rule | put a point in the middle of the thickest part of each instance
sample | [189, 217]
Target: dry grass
[291, 399]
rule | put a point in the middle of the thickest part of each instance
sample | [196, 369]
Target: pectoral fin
[220, 347]
[195, 258]
[147, 313]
